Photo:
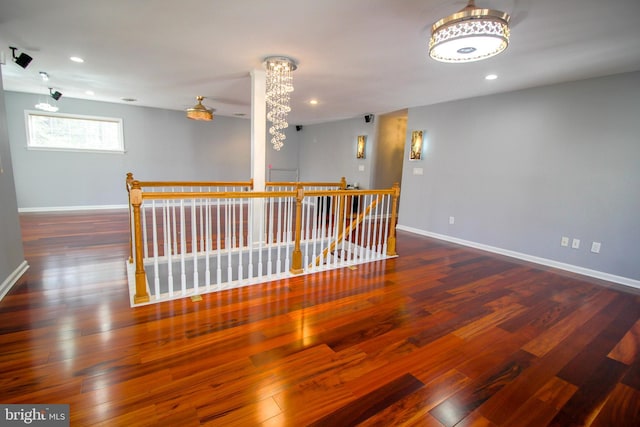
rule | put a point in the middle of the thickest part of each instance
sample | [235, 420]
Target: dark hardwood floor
[442, 335]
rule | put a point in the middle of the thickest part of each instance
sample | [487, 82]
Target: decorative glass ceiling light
[469, 35]
[279, 87]
[199, 111]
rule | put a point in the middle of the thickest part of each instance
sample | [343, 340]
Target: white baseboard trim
[13, 278]
[525, 257]
[72, 208]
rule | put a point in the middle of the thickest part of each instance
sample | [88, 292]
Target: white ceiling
[354, 56]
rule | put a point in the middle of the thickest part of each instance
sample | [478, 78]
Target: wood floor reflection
[441, 336]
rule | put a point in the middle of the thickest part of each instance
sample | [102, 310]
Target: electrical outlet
[575, 244]
[564, 241]
[452, 220]
[418, 171]
[595, 247]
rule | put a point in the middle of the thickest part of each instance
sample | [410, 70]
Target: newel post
[296, 261]
[391, 241]
[135, 196]
[343, 183]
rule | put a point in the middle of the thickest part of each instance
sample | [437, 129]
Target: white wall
[520, 170]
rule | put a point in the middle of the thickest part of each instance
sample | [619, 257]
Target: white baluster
[156, 273]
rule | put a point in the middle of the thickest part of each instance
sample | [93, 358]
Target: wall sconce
[23, 60]
[416, 145]
[360, 148]
[54, 94]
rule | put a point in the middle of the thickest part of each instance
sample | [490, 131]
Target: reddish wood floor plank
[372, 403]
[622, 408]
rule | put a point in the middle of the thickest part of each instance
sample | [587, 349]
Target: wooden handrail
[218, 195]
[248, 184]
[389, 191]
[341, 184]
[259, 194]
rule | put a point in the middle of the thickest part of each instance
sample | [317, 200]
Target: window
[50, 131]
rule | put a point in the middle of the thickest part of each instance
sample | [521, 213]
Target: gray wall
[11, 250]
[328, 151]
[160, 145]
[520, 170]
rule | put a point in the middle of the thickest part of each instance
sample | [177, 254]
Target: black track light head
[55, 94]
[22, 60]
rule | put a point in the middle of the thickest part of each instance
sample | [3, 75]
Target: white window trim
[117, 120]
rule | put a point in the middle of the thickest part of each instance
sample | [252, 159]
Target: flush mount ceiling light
[279, 88]
[22, 60]
[472, 34]
[199, 111]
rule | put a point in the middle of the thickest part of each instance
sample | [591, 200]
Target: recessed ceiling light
[491, 77]
[89, 92]
[313, 102]
[239, 114]
[77, 59]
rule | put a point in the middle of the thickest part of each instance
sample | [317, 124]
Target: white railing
[193, 242]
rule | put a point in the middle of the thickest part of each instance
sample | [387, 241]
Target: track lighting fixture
[54, 94]
[23, 60]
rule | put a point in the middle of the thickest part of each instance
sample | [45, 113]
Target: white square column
[258, 146]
